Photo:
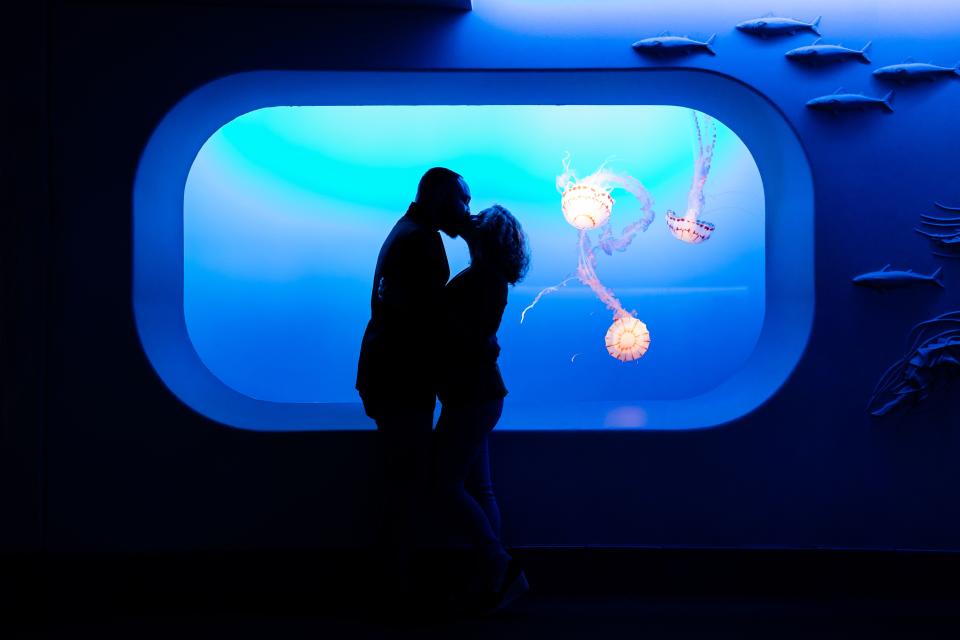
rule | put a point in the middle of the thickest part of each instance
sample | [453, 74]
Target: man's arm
[410, 292]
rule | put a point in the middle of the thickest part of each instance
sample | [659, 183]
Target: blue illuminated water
[285, 209]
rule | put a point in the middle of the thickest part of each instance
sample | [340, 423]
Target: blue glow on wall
[285, 209]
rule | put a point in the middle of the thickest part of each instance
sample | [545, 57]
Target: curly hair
[499, 241]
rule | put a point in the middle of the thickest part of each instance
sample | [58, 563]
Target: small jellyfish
[691, 231]
[627, 338]
[688, 227]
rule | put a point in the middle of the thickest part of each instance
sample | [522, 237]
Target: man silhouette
[397, 368]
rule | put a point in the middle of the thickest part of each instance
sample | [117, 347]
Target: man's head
[445, 196]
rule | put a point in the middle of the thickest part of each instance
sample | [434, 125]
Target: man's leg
[404, 449]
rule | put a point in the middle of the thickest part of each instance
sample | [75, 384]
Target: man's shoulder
[411, 232]
[411, 246]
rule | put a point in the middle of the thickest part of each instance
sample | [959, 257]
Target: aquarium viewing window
[670, 222]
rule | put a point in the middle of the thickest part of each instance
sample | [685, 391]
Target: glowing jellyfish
[586, 206]
[689, 228]
[690, 231]
[586, 203]
[627, 339]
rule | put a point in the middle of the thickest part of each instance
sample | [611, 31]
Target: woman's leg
[460, 432]
[480, 485]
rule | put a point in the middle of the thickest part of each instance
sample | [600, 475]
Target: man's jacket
[397, 368]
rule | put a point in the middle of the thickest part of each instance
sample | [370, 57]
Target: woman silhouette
[471, 390]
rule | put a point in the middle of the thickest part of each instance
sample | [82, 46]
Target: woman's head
[497, 240]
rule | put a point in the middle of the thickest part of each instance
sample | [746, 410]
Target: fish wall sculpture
[888, 278]
[910, 72]
[943, 231]
[841, 102]
[932, 357]
[667, 45]
[767, 26]
[818, 54]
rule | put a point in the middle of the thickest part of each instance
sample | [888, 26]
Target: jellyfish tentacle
[543, 292]
[568, 176]
[586, 271]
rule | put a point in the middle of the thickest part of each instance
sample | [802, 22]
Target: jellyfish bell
[627, 339]
[689, 229]
[586, 206]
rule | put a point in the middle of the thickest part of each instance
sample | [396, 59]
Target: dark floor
[576, 593]
[554, 617]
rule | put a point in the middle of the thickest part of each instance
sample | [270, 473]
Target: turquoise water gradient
[285, 209]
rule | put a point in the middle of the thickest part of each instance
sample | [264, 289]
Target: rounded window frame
[166, 160]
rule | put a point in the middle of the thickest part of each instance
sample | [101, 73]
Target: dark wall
[124, 465]
[24, 267]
